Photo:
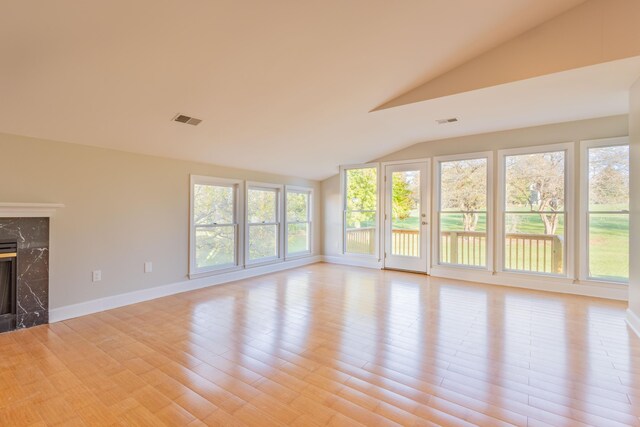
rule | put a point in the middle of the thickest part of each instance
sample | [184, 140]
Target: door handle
[424, 222]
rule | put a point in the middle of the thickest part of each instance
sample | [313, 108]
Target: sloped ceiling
[594, 32]
[282, 86]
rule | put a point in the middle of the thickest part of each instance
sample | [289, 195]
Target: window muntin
[298, 218]
[607, 213]
[534, 212]
[360, 206]
[263, 223]
[215, 226]
[462, 215]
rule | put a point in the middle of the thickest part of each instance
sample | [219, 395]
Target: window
[360, 207]
[463, 200]
[535, 206]
[606, 209]
[263, 222]
[298, 211]
[214, 224]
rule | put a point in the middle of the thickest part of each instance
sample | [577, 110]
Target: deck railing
[541, 253]
[463, 247]
[405, 242]
[361, 240]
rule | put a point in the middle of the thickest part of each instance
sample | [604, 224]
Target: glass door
[405, 219]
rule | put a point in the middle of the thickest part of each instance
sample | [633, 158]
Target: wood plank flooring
[330, 345]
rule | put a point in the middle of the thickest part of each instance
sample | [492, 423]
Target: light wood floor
[330, 345]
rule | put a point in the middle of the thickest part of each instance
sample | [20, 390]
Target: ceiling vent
[181, 118]
[445, 121]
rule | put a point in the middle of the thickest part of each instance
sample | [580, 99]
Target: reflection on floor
[328, 345]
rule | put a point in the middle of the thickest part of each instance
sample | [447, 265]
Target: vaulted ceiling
[281, 86]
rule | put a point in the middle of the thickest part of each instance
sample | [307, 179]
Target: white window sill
[262, 262]
[532, 275]
[602, 283]
[617, 291]
[461, 267]
[298, 255]
[209, 273]
[248, 266]
[360, 256]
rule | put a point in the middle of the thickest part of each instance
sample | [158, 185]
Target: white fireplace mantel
[28, 210]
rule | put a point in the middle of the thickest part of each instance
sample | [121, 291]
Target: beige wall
[540, 135]
[634, 140]
[595, 32]
[121, 210]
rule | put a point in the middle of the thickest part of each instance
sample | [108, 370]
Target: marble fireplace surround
[28, 224]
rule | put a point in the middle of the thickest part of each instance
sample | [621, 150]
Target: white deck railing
[529, 252]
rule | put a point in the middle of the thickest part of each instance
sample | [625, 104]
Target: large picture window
[360, 207]
[214, 224]
[463, 200]
[535, 210]
[606, 210]
[298, 211]
[263, 222]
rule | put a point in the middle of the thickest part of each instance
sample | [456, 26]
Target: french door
[405, 219]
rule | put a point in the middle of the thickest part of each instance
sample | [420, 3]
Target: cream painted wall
[540, 135]
[634, 139]
[595, 32]
[121, 210]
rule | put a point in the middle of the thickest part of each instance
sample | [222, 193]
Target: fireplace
[24, 231]
[26, 299]
[8, 302]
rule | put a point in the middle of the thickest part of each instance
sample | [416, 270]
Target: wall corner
[633, 313]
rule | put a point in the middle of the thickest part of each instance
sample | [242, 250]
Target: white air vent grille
[181, 118]
[445, 121]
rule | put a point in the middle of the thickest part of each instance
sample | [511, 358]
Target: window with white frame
[214, 224]
[605, 208]
[263, 222]
[463, 201]
[360, 209]
[534, 207]
[298, 219]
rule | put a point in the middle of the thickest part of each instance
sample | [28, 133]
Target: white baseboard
[115, 301]
[547, 284]
[352, 261]
[633, 320]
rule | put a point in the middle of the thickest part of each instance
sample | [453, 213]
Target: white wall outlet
[96, 275]
[148, 267]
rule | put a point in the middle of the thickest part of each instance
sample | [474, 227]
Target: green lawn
[609, 248]
[297, 243]
[297, 238]
[608, 235]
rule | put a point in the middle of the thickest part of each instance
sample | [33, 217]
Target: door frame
[426, 208]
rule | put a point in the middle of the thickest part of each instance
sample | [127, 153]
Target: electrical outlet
[148, 267]
[97, 275]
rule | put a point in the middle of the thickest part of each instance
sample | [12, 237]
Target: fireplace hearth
[8, 303]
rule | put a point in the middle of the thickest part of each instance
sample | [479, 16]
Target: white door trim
[421, 264]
